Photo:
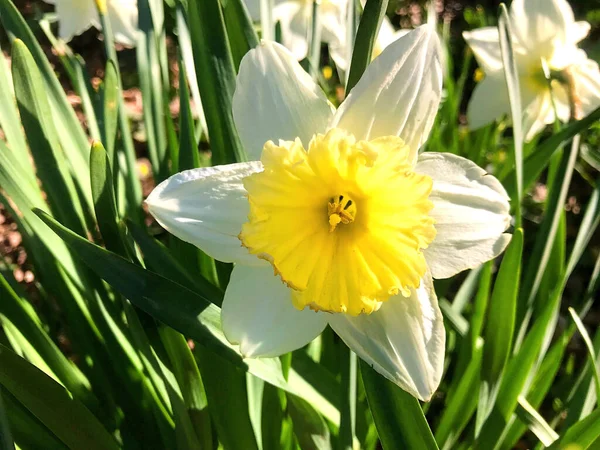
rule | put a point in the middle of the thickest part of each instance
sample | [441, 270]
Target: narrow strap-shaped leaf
[27, 430]
[20, 313]
[368, 29]
[348, 386]
[104, 200]
[397, 414]
[43, 139]
[460, 407]
[535, 163]
[159, 259]
[514, 94]
[66, 417]
[181, 309]
[240, 29]
[228, 399]
[585, 434]
[536, 422]
[542, 250]
[190, 382]
[6, 439]
[500, 325]
[590, 348]
[74, 139]
[310, 428]
[132, 189]
[216, 78]
[110, 110]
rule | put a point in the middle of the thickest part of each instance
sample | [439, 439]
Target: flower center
[340, 209]
[366, 245]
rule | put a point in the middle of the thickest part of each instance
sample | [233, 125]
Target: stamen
[340, 212]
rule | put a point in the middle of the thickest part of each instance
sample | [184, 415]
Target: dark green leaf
[368, 29]
[6, 439]
[21, 315]
[228, 399]
[581, 436]
[240, 29]
[104, 200]
[216, 78]
[500, 324]
[535, 163]
[397, 414]
[309, 427]
[43, 139]
[181, 309]
[66, 417]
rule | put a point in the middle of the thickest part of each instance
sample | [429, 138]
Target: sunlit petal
[404, 341]
[471, 213]
[259, 316]
[206, 207]
[399, 93]
[276, 99]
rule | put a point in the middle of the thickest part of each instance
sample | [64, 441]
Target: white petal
[276, 99]
[471, 213]
[578, 31]
[294, 19]
[539, 111]
[489, 101]
[75, 17]
[258, 314]
[541, 26]
[333, 22]
[404, 341]
[587, 84]
[399, 93]
[206, 207]
[485, 44]
[123, 15]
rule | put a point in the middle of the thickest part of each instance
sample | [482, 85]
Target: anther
[340, 212]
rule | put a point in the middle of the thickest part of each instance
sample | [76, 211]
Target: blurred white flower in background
[341, 206]
[295, 17]
[76, 16]
[544, 33]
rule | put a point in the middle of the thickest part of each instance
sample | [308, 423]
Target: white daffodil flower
[544, 32]
[76, 16]
[341, 222]
[295, 17]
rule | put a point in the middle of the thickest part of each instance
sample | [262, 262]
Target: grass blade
[514, 94]
[309, 427]
[368, 29]
[66, 417]
[398, 416]
[538, 160]
[21, 315]
[240, 29]
[581, 436]
[216, 78]
[43, 138]
[590, 348]
[536, 423]
[188, 312]
[500, 326]
[6, 440]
